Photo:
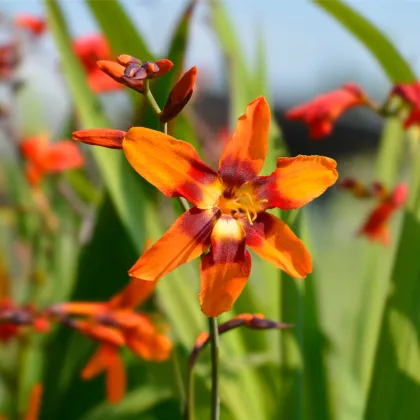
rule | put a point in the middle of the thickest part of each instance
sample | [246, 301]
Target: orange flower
[129, 71]
[376, 225]
[321, 113]
[179, 96]
[90, 49]
[229, 206]
[114, 324]
[410, 93]
[44, 158]
[34, 24]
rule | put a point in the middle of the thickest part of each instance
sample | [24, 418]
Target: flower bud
[179, 96]
[105, 137]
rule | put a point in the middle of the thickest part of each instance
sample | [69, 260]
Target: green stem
[150, 98]
[162, 125]
[189, 408]
[214, 346]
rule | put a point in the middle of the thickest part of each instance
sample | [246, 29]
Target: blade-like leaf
[394, 65]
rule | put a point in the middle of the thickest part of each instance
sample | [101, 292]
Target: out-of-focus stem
[214, 350]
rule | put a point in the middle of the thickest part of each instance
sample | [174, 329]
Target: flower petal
[101, 333]
[147, 342]
[100, 82]
[296, 181]
[105, 137]
[376, 225]
[172, 166]
[115, 378]
[225, 269]
[245, 153]
[34, 24]
[79, 308]
[321, 113]
[273, 240]
[116, 72]
[62, 156]
[34, 402]
[95, 365]
[136, 292]
[185, 240]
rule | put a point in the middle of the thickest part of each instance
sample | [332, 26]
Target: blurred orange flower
[90, 49]
[115, 324]
[376, 226]
[34, 24]
[45, 158]
[229, 205]
[321, 113]
[410, 93]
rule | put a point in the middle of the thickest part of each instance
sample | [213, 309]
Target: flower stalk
[214, 351]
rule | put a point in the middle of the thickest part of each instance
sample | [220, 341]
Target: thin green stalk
[163, 126]
[150, 98]
[214, 349]
[189, 407]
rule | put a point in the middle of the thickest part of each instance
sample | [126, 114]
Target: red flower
[44, 158]
[321, 113]
[114, 324]
[410, 93]
[90, 49]
[129, 71]
[34, 24]
[229, 206]
[376, 225]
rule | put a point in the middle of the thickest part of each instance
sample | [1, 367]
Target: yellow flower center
[240, 203]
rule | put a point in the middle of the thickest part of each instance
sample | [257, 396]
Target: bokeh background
[305, 52]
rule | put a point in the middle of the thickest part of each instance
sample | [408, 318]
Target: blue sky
[307, 50]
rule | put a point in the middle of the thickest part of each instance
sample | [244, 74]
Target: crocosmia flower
[45, 158]
[376, 226]
[229, 206]
[321, 113]
[410, 93]
[35, 25]
[131, 72]
[114, 324]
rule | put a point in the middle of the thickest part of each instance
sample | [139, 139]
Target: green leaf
[135, 403]
[126, 188]
[394, 65]
[395, 384]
